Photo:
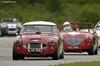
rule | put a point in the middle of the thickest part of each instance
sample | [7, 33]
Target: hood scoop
[73, 41]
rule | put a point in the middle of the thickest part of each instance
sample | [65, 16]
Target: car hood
[76, 34]
[75, 38]
[11, 25]
[42, 38]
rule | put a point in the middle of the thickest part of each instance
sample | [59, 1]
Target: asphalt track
[6, 56]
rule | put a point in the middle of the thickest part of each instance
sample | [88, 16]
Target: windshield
[39, 28]
[67, 25]
[87, 30]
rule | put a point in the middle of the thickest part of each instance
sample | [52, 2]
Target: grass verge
[96, 63]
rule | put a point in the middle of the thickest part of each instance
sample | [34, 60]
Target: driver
[67, 26]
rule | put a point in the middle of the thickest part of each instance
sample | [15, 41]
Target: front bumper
[9, 30]
[83, 47]
[43, 52]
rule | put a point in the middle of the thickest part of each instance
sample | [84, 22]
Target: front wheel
[96, 47]
[1, 33]
[16, 56]
[96, 51]
[90, 52]
[55, 55]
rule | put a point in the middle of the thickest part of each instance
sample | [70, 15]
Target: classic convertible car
[9, 27]
[38, 39]
[80, 40]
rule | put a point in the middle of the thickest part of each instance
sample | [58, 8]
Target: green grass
[96, 63]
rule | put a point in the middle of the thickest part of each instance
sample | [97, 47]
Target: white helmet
[67, 26]
[66, 23]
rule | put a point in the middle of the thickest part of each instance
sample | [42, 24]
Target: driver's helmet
[67, 26]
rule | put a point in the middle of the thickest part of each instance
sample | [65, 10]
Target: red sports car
[38, 39]
[80, 40]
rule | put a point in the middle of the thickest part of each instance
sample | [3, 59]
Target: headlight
[18, 41]
[88, 39]
[51, 42]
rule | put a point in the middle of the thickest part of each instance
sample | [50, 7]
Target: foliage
[52, 10]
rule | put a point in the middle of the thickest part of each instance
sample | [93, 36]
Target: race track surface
[6, 56]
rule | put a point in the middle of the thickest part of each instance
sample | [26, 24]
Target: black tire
[62, 55]
[55, 55]
[21, 57]
[1, 35]
[16, 56]
[90, 52]
[96, 52]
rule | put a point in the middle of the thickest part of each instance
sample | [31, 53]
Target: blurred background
[51, 10]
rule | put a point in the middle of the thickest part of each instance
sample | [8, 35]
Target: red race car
[81, 40]
[38, 39]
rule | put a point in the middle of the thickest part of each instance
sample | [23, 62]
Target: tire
[1, 35]
[90, 52]
[16, 56]
[55, 55]
[96, 52]
[62, 55]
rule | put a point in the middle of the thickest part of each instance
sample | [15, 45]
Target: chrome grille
[35, 45]
[73, 41]
[12, 29]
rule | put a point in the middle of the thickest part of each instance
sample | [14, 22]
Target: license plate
[35, 50]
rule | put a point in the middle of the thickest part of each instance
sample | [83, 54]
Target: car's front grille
[12, 29]
[73, 41]
[35, 45]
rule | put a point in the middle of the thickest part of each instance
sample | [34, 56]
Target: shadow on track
[34, 59]
[76, 54]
